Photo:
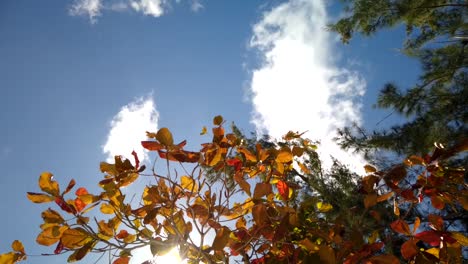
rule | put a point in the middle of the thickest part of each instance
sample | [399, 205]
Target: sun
[171, 257]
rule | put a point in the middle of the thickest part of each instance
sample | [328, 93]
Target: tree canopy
[269, 202]
[435, 107]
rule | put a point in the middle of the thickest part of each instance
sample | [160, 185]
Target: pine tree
[435, 107]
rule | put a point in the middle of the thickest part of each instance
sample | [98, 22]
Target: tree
[437, 35]
[278, 210]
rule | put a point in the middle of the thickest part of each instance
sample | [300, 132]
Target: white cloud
[91, 8]
[149, 7]
[128, 129]
[196, 6]
[155, 8]
[298, 85]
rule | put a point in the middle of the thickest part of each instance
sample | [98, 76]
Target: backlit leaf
[436, 221]
[107, 208]
[437, 202]
[221, 239]
[401, 227]
[188, 184]
[50, 235]
[327, 255]
[283, 189]
[75, 238]
[370, 200]
[17, 246]
[384, 197]
[262, 189]
[152, 145]
[245, 186]
[7, 258]
[217, 120]
[48, 185]
[463, 240]
[164, 136]
[369, 169]
[409, 249]
[324, 207]
[51, 216]
[39, 197]
[70, 185]
[122, 260]
[247, 154]
[204, 131]
[430, 237]
[284, 156]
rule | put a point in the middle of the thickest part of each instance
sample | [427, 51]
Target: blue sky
[82, 80]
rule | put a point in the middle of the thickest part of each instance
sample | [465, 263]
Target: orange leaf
[283, 189]
[81, 191]
[401, 227]
[122, 234]
[152, 145]
[409, 249]
[122, 260]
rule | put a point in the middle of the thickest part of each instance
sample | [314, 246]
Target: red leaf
[79, 204]
[137, 161]
[64, 206]
[70, 186]
[283, 189]
[59, 248]
[430, 237]
[152, 145]
[236, 163]
[81, 191]
[401, 227]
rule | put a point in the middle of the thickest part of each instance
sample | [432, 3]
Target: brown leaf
[262, 189]
[221, 239]
[409, 249]
[370, 200]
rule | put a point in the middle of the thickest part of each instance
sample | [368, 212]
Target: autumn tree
[275, 212]
[435, 107]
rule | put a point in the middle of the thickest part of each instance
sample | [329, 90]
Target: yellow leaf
[241, 223]
[460, 238]
[396, 210]
[17, 246]
[51, 216]
[39, 197]
[204, 130]
[384, 197]
[370, 169]
[7, 258]
[164, 136]
[188, 184]
[75, 238]
[324, 207]
[129, 239]
[284, 156]
[48, 185]
[373, 237]
[434, 252]
[107, 208]
[50, 235]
